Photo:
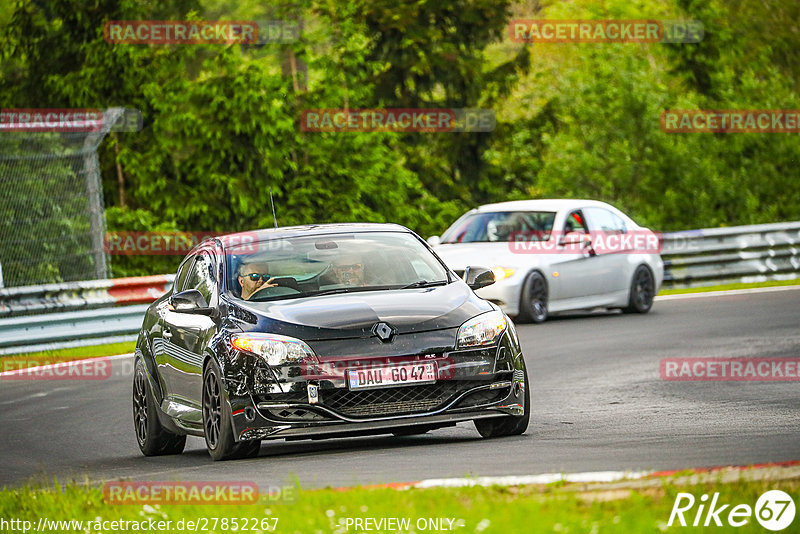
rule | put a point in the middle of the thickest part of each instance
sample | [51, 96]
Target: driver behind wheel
[253, 277]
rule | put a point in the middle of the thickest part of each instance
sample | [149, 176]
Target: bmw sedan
[322, 331]
[551, 256]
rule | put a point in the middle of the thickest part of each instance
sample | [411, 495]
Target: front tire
[533, 300]
[153, 439]
[642, 291]
[509, 425]
[217, 428]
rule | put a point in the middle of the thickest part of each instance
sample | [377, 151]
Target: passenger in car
[348, 269]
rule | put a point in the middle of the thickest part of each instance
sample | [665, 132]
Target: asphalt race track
[598, 404]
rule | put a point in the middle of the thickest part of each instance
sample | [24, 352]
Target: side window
[619, 223]
[183, 271]
[576, 223]
[202, 276]
[605, 221]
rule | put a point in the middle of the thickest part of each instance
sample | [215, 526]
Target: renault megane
[322, 331]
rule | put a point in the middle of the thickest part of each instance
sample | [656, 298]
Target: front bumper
[266, 426]
[472, 384]
[505, 293]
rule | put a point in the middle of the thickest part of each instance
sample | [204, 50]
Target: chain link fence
[52, 218]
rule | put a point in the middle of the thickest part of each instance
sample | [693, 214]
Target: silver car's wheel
[533, 301]
[642, 291]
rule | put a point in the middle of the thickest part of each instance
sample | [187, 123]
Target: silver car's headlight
[274, 349]
[501, 273]
[484, 329]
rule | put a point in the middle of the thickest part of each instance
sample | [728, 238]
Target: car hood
[353, 315]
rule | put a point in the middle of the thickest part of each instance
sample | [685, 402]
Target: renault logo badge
[384, 332]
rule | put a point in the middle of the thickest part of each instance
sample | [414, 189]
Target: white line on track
[548, 478]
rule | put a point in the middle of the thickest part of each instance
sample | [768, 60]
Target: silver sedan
[551, 256]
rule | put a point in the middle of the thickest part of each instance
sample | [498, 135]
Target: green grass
[727, 287]
[569, 508]
[78, 353]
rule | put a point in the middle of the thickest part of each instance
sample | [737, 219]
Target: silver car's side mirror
[575, 238]
[434, 240]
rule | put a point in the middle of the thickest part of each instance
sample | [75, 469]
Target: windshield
[501, 226]
[334, 263]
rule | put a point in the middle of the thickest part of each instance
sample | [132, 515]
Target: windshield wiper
[425, 283]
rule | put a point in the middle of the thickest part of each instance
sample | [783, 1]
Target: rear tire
[217, 430]
[533, 300]
[153, 439]
[642, 291]
[509, 425]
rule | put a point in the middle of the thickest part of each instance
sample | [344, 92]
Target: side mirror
[575, 238]
[478, 277]
[190, 301]
[434, 240]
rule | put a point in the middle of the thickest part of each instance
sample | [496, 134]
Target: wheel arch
[144, 352]
[207, 359]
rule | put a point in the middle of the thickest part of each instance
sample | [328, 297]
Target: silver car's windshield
[501, 226]
[335, 263]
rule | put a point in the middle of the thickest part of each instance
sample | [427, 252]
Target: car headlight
[273, 348]
[484, 329]
[501, 273]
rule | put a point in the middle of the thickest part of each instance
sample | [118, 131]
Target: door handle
[167, 333]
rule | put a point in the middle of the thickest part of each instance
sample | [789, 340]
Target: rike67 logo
[774, 510]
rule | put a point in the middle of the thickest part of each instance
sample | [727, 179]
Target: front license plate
[393, 375]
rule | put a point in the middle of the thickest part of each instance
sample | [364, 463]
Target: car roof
[543, 204]
[264, 234]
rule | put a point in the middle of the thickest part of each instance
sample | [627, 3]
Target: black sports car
[322, 331]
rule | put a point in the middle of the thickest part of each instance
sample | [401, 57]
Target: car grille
[395, 400]
[399, 400]
[296, 415]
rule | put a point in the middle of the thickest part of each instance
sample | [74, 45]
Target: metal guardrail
[76, 314]
[692, 258]
[67, 329]
[739, 254]
[89, 294]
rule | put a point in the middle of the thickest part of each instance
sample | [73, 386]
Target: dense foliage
[574, 120]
